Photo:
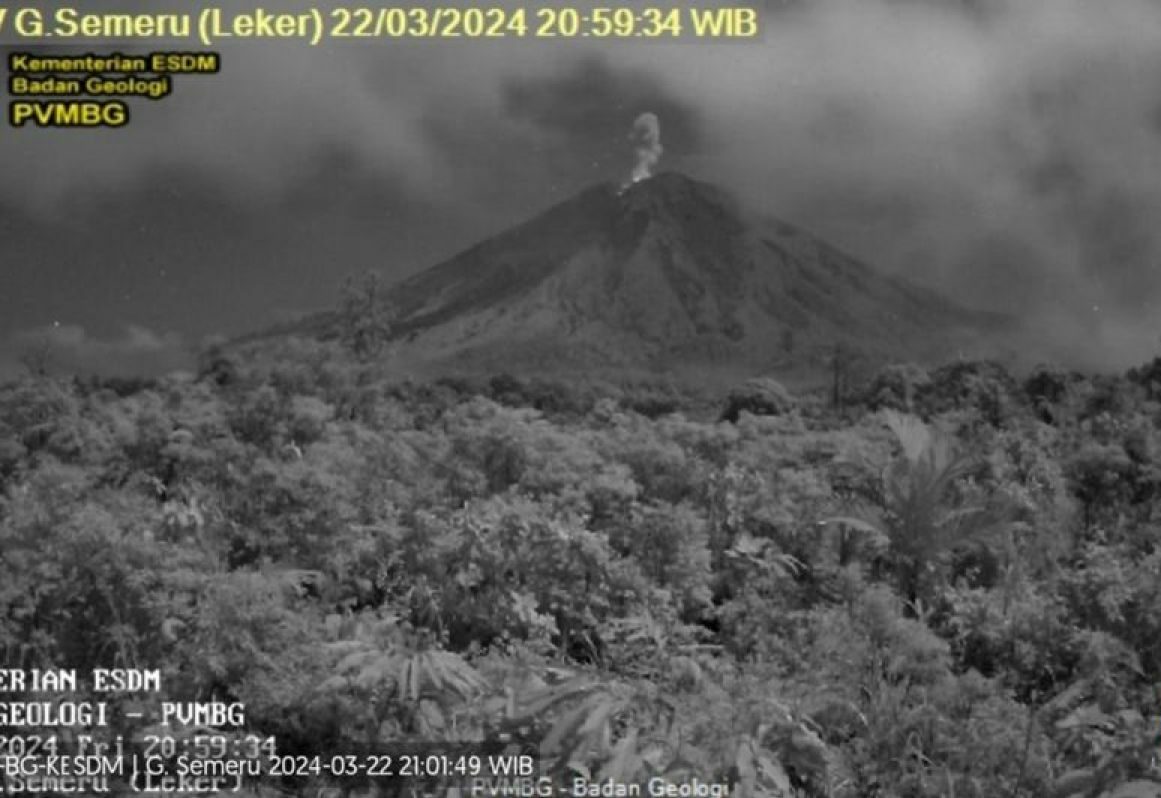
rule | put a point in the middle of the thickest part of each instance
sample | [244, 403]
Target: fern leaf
[539, 701]
[604, 708]
[403, 678]
[564, 728]
[415, 672]
[355, 660]
[913, 435]
[624, 763]
[433, 669]
[458, 675]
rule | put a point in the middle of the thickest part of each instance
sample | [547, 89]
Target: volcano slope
[669, 274]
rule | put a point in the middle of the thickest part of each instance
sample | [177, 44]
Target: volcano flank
[668, 273]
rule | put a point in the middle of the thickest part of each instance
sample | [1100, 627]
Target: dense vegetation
[949, 587]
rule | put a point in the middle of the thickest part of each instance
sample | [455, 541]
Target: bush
[1148, 376]
[1048, 389]
[896, 387]
[759, 397]
[981, 386]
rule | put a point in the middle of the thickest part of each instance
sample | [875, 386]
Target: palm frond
[911, 433]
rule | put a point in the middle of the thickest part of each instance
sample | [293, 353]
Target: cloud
[1004, 151]
[1007, 153]
[69, 349]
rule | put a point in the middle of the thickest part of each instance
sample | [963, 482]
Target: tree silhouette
[366, 316]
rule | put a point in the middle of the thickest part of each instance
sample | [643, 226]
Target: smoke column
[646, 138]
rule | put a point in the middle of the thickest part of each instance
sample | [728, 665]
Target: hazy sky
[1007, 152]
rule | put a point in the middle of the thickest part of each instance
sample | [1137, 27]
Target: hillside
[671, 273]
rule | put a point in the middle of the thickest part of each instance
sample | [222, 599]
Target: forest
[947, 584]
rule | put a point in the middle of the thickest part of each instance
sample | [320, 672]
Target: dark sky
[1007, 152]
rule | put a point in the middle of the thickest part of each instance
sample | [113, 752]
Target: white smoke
[646, 139]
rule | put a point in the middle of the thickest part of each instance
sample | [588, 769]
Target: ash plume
[646, 139]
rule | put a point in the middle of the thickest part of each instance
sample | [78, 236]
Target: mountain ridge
[667, 272]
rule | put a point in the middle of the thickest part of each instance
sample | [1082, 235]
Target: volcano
[668, 273]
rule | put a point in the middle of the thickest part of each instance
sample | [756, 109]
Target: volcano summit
[666, 274]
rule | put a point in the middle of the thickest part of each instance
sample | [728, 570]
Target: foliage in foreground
[957, 596]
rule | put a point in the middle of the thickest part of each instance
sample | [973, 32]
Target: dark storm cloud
[1006, 151]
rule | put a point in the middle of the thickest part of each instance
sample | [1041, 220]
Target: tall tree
[367, 316]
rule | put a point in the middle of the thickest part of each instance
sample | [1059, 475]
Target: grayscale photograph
[581, 399]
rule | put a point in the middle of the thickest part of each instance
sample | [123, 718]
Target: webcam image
[580, 398]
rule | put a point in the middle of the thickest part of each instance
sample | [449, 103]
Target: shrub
[896, 387]
[981, 386]
[759, 397]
